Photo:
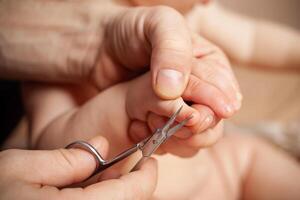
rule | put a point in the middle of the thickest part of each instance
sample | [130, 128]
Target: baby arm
[246, 40]
[271, 173]
[60, 114]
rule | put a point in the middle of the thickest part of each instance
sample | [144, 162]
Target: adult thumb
[171, 58]
[62, 167]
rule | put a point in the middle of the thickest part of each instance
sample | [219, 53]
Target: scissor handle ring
[92, 150]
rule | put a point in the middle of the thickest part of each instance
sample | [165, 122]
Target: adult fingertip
[170, 83]
[239, 99]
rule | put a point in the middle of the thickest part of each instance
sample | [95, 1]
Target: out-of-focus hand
[45, 174]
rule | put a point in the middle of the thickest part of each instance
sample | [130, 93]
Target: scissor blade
[174, 129]
[171, 120]
[150, 144]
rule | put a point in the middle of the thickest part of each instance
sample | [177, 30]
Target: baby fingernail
[239, 96]
[228, 109]
[238, 103]
[206, 123]
[170, 83]
[208, 120]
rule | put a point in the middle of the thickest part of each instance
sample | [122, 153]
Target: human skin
[110, 68]
[87, 41]
[94, 41]
[255, 36]
[54, 110]
[53, 60]
[36, 174]
[114, 113]
[237, 167]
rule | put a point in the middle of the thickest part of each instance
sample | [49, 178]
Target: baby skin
[130, 107]
[128, 112]
[237, 167]
[113, 112]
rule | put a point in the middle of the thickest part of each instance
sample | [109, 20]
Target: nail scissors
[147, 146]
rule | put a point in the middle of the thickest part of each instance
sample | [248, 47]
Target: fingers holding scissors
[47, 174]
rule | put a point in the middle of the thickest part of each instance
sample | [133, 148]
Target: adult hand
[96, 41]
[56, 110]
[45, 174]
[158, 36]
[67, 40]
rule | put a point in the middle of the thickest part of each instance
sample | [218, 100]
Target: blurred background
[268, 95]
[282, 11]
[271, 98]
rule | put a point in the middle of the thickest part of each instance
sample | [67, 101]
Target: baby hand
[212, 92]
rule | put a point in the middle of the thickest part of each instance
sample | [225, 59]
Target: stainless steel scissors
[147, 146]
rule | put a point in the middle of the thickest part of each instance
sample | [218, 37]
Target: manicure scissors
[147, 146]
